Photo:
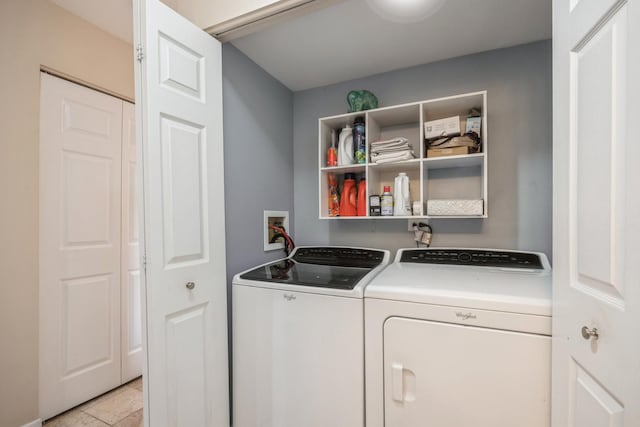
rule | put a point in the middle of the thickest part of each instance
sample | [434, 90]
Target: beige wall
[35, 33]
[207, 13]
[230, 19]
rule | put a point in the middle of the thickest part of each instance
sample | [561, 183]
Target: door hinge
[139, 53]
[144, 261]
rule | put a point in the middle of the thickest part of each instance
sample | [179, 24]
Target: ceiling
[348, 40]
[113, 16]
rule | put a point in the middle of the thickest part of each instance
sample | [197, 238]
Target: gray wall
[518, 81]
[258, 157]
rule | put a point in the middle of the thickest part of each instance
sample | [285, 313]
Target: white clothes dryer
[459, 337]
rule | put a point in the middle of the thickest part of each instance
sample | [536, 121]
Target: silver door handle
[588, 334]
[190, 285]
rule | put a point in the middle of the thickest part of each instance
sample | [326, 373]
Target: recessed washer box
[274, 218]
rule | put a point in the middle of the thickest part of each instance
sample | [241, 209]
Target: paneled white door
[596, 323]
[131, 308]
[179, 112]
[80, 157]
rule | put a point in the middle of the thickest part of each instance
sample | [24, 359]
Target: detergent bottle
[401, 196]
[345, 146]
[362, 197]
[348, 200]
[386, 202]
[359, 141]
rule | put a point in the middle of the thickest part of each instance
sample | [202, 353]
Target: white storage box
[442, 127]
[455, 207]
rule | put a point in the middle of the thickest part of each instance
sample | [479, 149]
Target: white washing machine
[298, 339]
[459, 337]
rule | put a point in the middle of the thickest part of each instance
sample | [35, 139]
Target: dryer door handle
[397, 382]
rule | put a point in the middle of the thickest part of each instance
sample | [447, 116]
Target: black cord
[277, 236]
[281, 233]
[427, 226]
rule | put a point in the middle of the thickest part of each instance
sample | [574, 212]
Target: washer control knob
[464, 257]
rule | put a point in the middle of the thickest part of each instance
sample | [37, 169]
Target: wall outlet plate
[280, 218]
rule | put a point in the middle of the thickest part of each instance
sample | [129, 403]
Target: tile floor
[121, 407]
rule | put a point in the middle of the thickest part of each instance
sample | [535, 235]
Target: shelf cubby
[450, 178]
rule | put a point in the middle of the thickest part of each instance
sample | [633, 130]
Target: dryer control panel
[475, 257]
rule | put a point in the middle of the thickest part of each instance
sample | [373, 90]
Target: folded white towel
[406, 146]
[390, 154]
[390, 142]
[393, 157]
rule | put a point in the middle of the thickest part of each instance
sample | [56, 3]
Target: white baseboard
[36, 423]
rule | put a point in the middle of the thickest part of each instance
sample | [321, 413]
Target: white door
[80, 141]
[179, 114]
[596, 380]
[445, 375]
[131, 307]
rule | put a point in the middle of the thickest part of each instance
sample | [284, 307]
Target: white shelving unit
[452, 177]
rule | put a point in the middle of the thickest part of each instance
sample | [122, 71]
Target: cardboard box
[443, 152]
[442, 127]
[451, 207]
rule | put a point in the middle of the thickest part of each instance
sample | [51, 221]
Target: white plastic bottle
[386, 202]
[401, 196]
[345, 146]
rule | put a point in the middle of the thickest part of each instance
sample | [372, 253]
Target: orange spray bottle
[332, 152]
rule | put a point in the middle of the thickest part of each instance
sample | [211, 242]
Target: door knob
[190, 285]
[588, 334]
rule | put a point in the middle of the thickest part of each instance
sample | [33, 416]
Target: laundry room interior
[517, 79]
[222, 190]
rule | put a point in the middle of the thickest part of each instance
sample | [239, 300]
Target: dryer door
[442, 375]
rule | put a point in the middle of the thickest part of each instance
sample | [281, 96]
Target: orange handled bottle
[362, 197]
[348, 199]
